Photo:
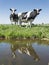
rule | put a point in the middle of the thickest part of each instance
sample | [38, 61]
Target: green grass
[16, 32]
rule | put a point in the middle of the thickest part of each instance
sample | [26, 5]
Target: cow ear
[15, 10]
[34, 9]
[40, 10]
[10, 9]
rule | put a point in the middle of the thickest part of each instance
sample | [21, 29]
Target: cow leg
[30, 23]
[27, 24]
[19, 23]
[15, 23]
[11, 23]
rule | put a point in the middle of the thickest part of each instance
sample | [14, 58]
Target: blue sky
[24, 5]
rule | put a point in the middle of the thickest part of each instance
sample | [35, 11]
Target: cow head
[37, 11]
[12, 10]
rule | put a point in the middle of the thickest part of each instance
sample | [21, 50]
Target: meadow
[9, 31]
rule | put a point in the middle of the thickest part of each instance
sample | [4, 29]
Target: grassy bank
[16, 32]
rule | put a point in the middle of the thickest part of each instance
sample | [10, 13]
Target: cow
[30, 16]
[26, 17]
[13, 16]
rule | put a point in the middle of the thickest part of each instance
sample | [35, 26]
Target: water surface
[28, 52]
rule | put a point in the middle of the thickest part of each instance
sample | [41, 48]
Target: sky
[24, 5]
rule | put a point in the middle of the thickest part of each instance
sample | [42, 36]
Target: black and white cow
[13, 16]
[26, 17]
[30, 16]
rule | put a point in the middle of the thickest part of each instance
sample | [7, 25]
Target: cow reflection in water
[24, 49]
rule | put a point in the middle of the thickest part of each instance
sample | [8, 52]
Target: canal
[24, 52]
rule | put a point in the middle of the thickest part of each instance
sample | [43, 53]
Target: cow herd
[24, 17]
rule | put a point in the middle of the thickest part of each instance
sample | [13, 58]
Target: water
[28, 52]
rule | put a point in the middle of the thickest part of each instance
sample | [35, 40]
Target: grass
[16, 32]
